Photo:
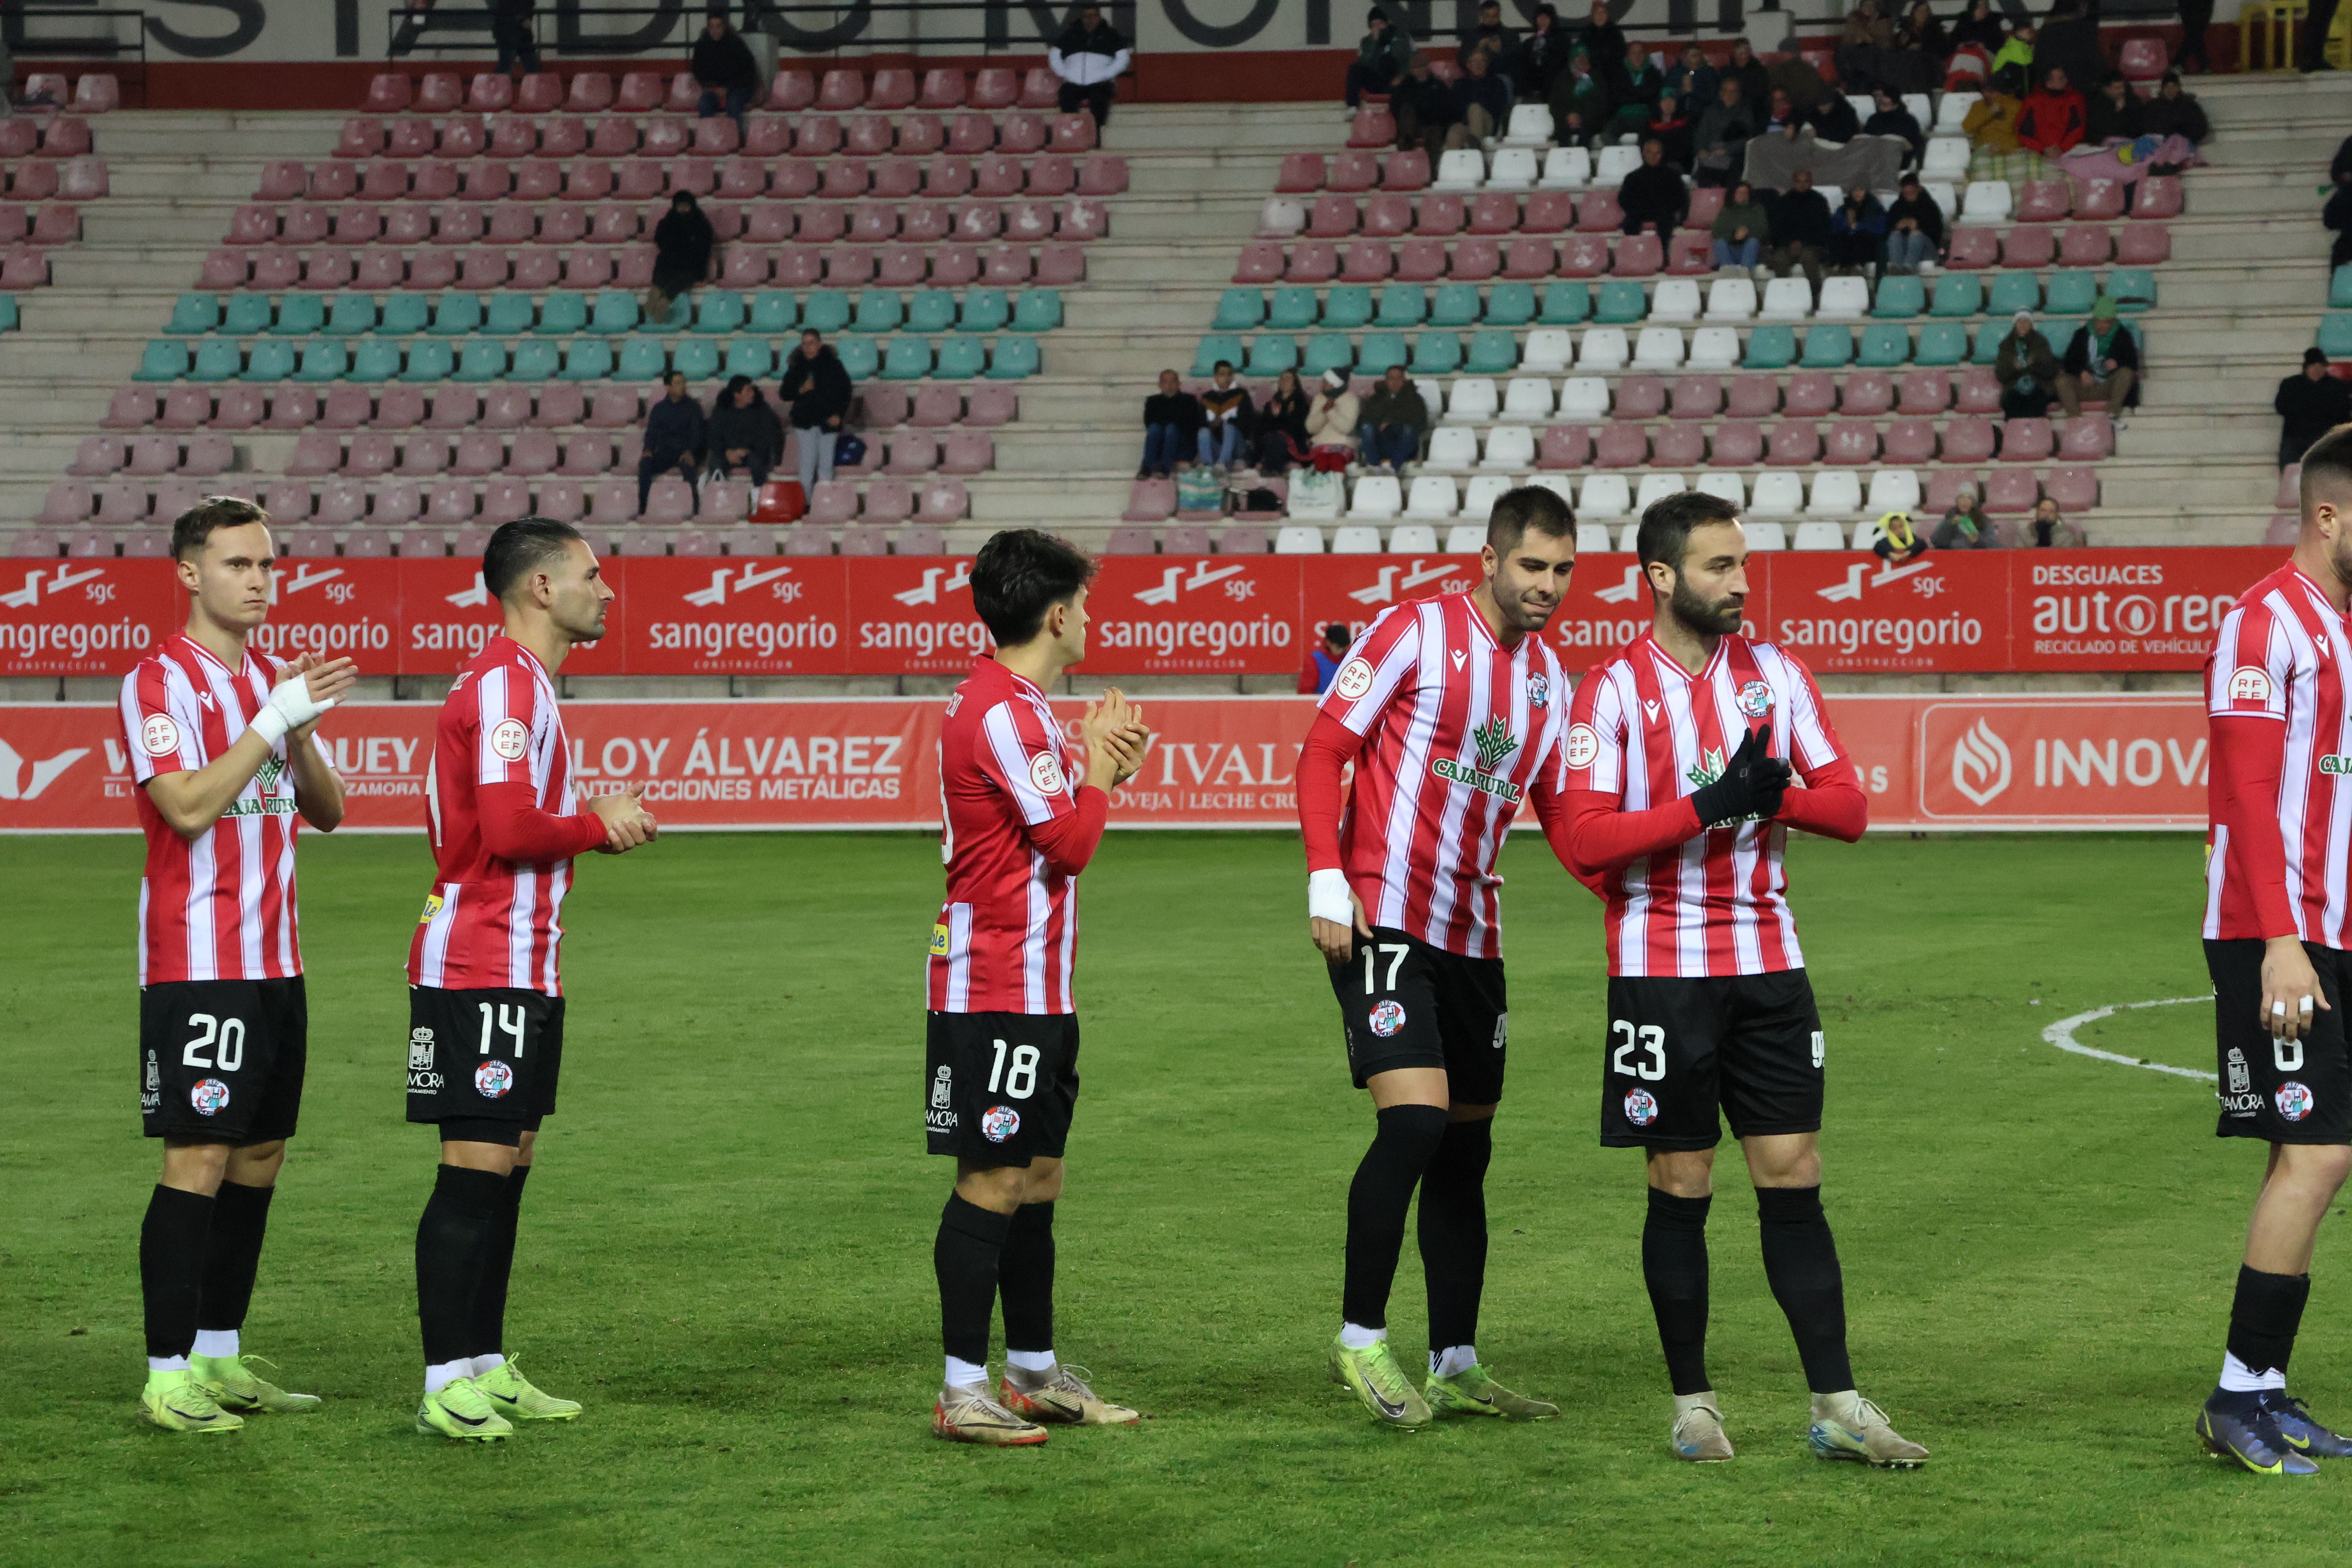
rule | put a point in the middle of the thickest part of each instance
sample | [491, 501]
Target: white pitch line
[2061, 1034]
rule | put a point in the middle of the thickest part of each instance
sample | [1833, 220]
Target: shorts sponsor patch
[2250, 685]
[1355, 679]
[1000, 1122]
[432, 907]
[492, 1079]
[1583, 746]
[1388, 1018]
[159, 735]
[208, 1095]
[2294, 1101]
[1641, 1106]
[1046, 772]
[509, 739]
[940, 939]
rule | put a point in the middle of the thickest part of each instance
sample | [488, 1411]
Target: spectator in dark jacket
[1171, 427]
[1088, 57]
[1382, 57]
[1693, 79]
[1857, 231]
[1897, 539]
[1800, 228]
[1488, 37]
[2172, 112]
[1541, 55]
[2311, 405]
[744, 432]
[1892, 118]
[1981, 27]
[816, 386]
[511, 31]
[1915, 228]
[1580, 101]
[1754, 80]
[1639, 82]
[1226, 417]
[1743, 231]
[2069, 42]
[682, 245]
[1653, 196]
[2102, 361]
[1482, 99]
[2028, 370]
[1921, 34]
[1865, 41]
[2114, 113]
[1425, 115]
[1604, 40]
[2055, 119]
[674, 437]
[723, 68]
[1672, 128]
[1282, 426]
[1965, 525]
[1720, 143]
[1832, 119]
[1392, 421]
[1780, 116]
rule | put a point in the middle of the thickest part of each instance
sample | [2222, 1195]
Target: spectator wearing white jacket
[1089, 57]
[1331, 417]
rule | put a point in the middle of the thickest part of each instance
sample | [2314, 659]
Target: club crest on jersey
[1583, 746]
[1045, 773]
[509, 739]
[1538, 691]
[1496, 743]
[2294, 1101]
[999, 1123]
[1388, 1018]
[420, 1051]
[1355, 679]
[159, 735]
[210, 1094]
[2249, 686]
[1641, 1108]
[1756, 700]
[492, 1079]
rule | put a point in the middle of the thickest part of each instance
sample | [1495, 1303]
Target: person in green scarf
[2102, 363]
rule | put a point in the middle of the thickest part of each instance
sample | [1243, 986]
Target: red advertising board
[82, 617]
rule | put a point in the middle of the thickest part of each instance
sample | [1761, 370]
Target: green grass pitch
[727, 1252]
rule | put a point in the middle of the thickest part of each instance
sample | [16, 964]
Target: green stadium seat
[1493, 351]
[1037, 310]
[218, 359]
[1565, 304]
[773, 310]
[1436, 353]
[962, 358]
[323, 358]
[1621, 303]
[246, 315]
[932, 312]
[1238, 310]
[859, 358]
[696, 358]
[2069, 294]
[269, 361]
[9, 320]
[1325, 351]
[1379, 351]
[906, 359]
[1013, 359]
[1404, 305]
[1988, 336]
[376, 360]
[404, 314]
[824, 310]
[1349, 307]
[752, 357]
[511, 315]
[588, 359]
[301, 316]
[1293, 310]
[642, 359]
[1828, 346]
[430, 359]
[1510, 304]
[720, 312]
[984, 310]
[879, 311]
[1941, 343]
[1901, 296]
[350, 315]
[2012, 292]
[564, 314]
[681, 315]
[1456, 305]
[485, 359]
[536, 359]
[2340, 289]
[615, 313]
[193, 313]
[1771, 346]
[1884, 344]
[2133, 288]
[163, 360]
[1214, 347]
[1271, 353]
[1958, 294]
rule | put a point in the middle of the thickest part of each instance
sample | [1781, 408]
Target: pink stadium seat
[480, 453]
[942, 88]
[1022, 133]
[1696, 396]
[332, 182]
[1754, 397]
[1852, 443]
[1334, 218]
[1972, 248]
[454, 407]
[284, 179]
[1311, 261]
[315, 452]
[591, 92]
[1598, 213]
[1407, 170]
[1812, 393]
[869, 135]
[992, 404]
[611, 502]
[972, 135]
[896, 179]
[2043, 201]
[873, 223]
[974, 221]
[1441, 214]
[2087, 439]
[39, 181]
[996, 175]
[1639, 398]
[503, 500]
[2026, 441]
[1301, 172]
[1706, 203]
[2144, 245]
[670, 501]
[2074, 490]
[489, 92]
[1638, 255]
[617, 138]
[1073, 133]
[1924, 392]
[1548, 212]
[59, 223]
[133, 408]
[275, 268]
[1868, 393]
[1969, 439]
[1368, 261]
[1911, 442]
[536, 267]
[842, 90]
[1421, 261]
[2028, 244]
[2010, 490]
[888, 500]
[1353, 172]
[1374, 126]
[643, 91]
[1621, 447]
[1052, 174]
[1528, 258]
[291, 408]
[911, 452]
[342, 502]
[96, 93]
[921, 134]
[384, 181]
[347, 407]
[1386, 215]
[97, 457]
[119, 503]
[460, 224]
[768, 137]
[849, 267]
[2141, 59]
[1040, 88]
[20, 137]
[410, 140]
[2083, 245]
[1151, 500]
[995, 87]
[1083, 217]
[371, 453]
[1678, 446]
[173, 497]
[1796, 444]
[967, 452]
[561, 501]
[1008, 266]
[1583, 255]
[934, 407]
[944, 502]
[441, 92]
[798, 266]
[1061, 266]
[289, 502]
[1738, 444]
[2156, 197]
[389, 92]
[252, 226]
[1978, 391]
[541, 93]
[1494, 212]
[791, 91]
[1690, 255]
[463, 137]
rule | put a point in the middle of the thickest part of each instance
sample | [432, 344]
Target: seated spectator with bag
[1482, 99]
[2115, 114]
[1426, 114]
[744, 433]
[1331, 422]
[2172, 112]
[2027, 369]
[674, 439]
[1171, 427]
[1965, 526]
[1721, 139]
[1282, 426]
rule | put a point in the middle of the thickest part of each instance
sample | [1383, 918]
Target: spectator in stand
[1653, 196]
[2069, 42]
[2101, 362]
[1580, 101]
[2053, 122]
[1991, 129]
[1754, 80]
[815, 386]
[1225, 415]
[2050, 531]
[1488, 37]
[1543, 52]
[1282, 426]
[1671, 129]
[1324, 659]
[1089, 57]
[2027, 369]
[1981, 27]
[1890, 118]
[1721, 139]
[1832, 119]
[1780, 116]
[1171, 427]
[1965, 525]
[1331, 418]
[1743, 230]
[1393, 418]
[1915, 229]
[674, 437]
[2310, 405]
[723, 68]
[1635, 91]
[1800, 229]
[1897, 540]
[1862, 42]
[1425, 115]
[2016, 53]
[1857, 231]
[1382, 57]
[2173, 113]
[1692, 80]
[2196, 17]
[2315, 29]
[2337, 214]
[744, 433]
[683, 241]
[2115, 113]
[1482, 99]
[1921, 48]
[511, 31]
[1604, 40]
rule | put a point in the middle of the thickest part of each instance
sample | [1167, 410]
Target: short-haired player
[221, 739]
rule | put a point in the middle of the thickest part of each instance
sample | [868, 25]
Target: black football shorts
[221, 1061]
[2281, 1091]
[1404, 1003]
[485, 1057]
[998, 1088]
[1679, 1050]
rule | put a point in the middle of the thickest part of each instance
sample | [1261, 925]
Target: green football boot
[1372, 1375]
[1471, 1391]
[230, 1380]
[460, 1410]
[517, 1398]
[176, 1401]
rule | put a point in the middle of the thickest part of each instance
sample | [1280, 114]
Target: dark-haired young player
[1679, 776]
[485, 988]
[2276, 934]
[1451, 708]
[220, 740]
[1001, 1076]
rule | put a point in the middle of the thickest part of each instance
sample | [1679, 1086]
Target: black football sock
[2265, 1317]
[1673, 1266]
[1025, 1280]
[451, 1239]
[172, 1268]
[233, 1254]
[1402, 1149]
[967, 1258]
[1801, 1265]
[497, 1262]
[1451, 1227]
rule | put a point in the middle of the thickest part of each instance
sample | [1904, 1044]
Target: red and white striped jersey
[1007, 936]
[219, 906]
[1648, 731]
[2280, 655]
[1457, 729]
[489, 921]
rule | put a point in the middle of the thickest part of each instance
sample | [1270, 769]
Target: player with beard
[1451, 710]
[1682, 754]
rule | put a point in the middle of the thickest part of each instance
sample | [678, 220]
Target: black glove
[1752, 783]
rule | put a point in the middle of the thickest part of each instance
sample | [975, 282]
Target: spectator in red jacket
[2053, 119]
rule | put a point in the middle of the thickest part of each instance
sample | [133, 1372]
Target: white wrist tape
[290, 708]
[1327, 898]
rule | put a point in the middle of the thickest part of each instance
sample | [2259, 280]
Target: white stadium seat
[1585, 397]
[1530, 126]
[1660, 348]
[1714, 348]
[1766, 536]
[1296, 541]
[1730, 299]
[1356, 540]
[1377, 498]
[1412, 538]
[1819, 535]
[1777, 495]
[1986, 202]
[1432, 498]
[1453, 447]
[1479, 496]
[1549, 351]
[1867, 534]
[1893, 489]
[1628, 538]
[1614, 164]
[1656, 488]
[1946, 158]
[1786, 299]
[1511, 446]
[1527, 400]
[1558, 484]
[1844, 299]
[1465, 538]
[1473, 401]
[1460, 170]
[1566, 168]
[1727, 486]
[1837, 493]
[1952, 112]
[1675, 299]
[1592, 538]
[1514, 169]
[1606, 495]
